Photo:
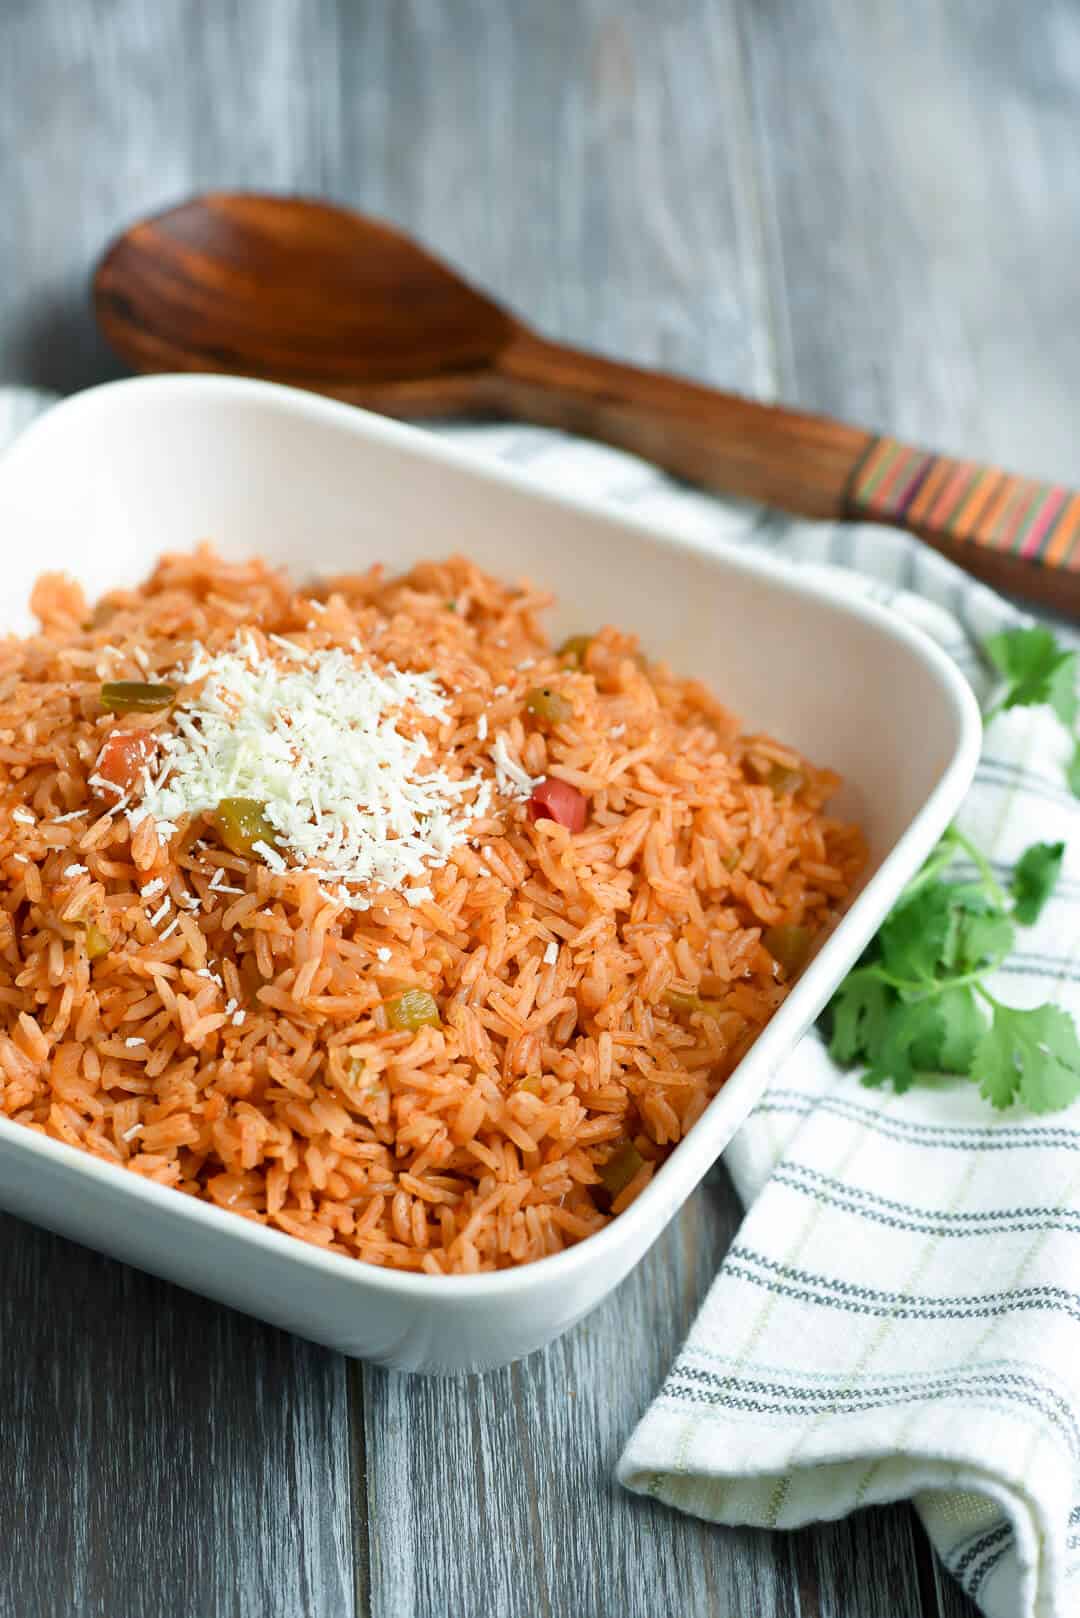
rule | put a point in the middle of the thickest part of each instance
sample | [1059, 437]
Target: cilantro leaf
[1062, 688]
[978, 928]
[915, 936]
[1037, 670]
[973, 898]
[982, 938]
[962, 1025]
[995, 1068]
[915, 1025]
[914, 1005]
[1034, 878]
[1072, 772]
[1029, 1056]
[860, 1012]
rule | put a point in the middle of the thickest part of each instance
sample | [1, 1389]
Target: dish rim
[648, 1207]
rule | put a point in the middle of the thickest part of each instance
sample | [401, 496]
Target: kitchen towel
[898, 1316]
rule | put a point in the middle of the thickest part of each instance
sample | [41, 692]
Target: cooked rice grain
[233, 1042]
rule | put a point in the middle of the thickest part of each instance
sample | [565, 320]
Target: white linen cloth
[899, 1316]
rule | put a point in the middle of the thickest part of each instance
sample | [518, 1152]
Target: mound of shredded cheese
[317, 744]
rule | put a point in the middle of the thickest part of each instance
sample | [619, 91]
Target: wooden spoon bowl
[316, 296]
[283, 289]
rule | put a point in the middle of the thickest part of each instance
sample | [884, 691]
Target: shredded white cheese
[289, 647]
[156, 886]
[129, 1134]
[482, 728]
[74, 870]
[384, 954]
[270, 856]
[102, 785]
[319, 746]
[133, 1041]
[551, 953]
[24, 817]
[513, 781]
[161, 912]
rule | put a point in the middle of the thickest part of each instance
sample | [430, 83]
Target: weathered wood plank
[644, 239]
[575, 159]
[162, 1455]
[915, 196]
[640, 240]
[920, 209]
[111, 111]
[518, 1467]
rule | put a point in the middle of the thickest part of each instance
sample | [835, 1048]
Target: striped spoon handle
[1015, 533]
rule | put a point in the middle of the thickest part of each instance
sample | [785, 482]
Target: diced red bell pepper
[557, 800]
[123, 757]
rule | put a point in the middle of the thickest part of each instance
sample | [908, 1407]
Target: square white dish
[108, 480]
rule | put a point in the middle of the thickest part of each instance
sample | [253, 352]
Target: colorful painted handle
[1015, 521]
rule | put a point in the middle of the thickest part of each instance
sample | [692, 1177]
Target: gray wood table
[851, 204]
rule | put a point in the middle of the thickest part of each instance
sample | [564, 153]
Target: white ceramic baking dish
[112, 477]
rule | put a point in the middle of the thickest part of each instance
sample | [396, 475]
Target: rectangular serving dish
[111, 478]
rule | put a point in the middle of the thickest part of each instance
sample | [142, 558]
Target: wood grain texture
[518, 1465]
[919, 209]
[293, 289]
[162, 1455]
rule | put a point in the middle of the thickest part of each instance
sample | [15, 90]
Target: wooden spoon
[316, 296]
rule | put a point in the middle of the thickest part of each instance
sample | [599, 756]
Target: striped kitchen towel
[899, 1316]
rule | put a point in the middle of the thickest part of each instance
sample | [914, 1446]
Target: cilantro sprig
[1036, 670]
[917, 1005]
